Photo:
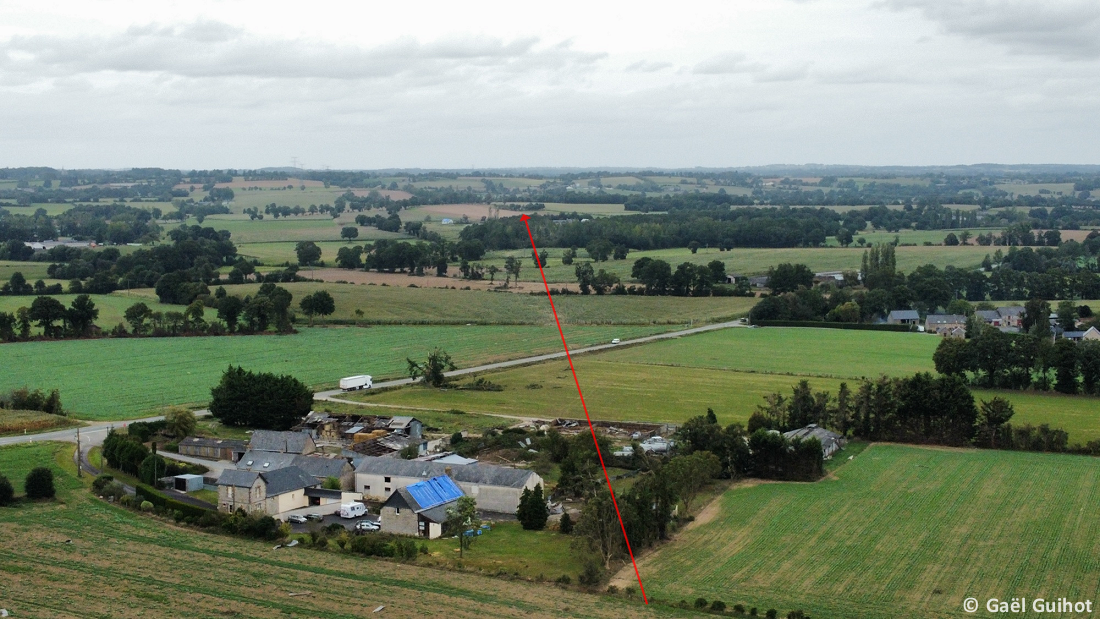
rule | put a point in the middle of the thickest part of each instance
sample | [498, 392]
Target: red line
[585, 407]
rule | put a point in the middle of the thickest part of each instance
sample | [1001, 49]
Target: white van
[352, 510]
[351, 383]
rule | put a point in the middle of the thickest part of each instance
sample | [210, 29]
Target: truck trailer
[352, 383]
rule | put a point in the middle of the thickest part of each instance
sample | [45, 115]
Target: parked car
[366, 526]
[314, 517]
[296, 518]
[615, 341]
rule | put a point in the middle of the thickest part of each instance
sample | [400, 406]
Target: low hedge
[159, 500]
[858, 326]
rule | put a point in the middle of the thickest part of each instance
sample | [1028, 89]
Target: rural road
[331, 394]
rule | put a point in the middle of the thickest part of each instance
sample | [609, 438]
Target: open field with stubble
[124, 378]
[19, 422]
[122, 564]
[730, 371]
[897, 532]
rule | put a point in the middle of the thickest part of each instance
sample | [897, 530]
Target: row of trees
[991, 358]
[23, 399]
[52, 317]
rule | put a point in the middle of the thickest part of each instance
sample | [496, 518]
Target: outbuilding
[420, 509]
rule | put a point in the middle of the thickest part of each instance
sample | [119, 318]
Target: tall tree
[259, 399]
[532, 512]
[690, 474]
[462, 517]
[81, 315]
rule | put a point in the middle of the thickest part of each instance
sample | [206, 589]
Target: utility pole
[79, 459]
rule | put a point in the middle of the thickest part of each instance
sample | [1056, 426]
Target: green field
[752, 261]
[30, 270]
[279, 252]
[730, 371]
[125, 378]
[80, 557]
[394, 304]
[900, 532]
[111, 306]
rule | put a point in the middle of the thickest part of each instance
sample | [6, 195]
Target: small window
[249, 463]
[387, 488]
[366, 488]
[398, 511]
[387, 480]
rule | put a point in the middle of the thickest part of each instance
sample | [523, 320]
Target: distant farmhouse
[831, 442]
[950, 325]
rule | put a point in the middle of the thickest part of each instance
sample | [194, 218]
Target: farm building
[903, 317]
[831, 442]
[989, 317]
[187, 483]
[409, 426]
[1077, 336]
[212, 448]
[495, 488]
[268, 492]
[944, 324]
[420, 509]
[1011, 316]
[282, 442]
[317, 466]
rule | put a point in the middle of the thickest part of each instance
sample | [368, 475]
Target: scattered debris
[299, 593]
[292, 543]
[379, 609]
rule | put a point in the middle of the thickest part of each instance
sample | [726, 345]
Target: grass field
[752, 261]
[111, 306]
[30, 270]
[900, 532]
[279, 252]
[122, 564]
[393, 304]
[124, 378]
[730, 371]
[18, 422]
[508, 549]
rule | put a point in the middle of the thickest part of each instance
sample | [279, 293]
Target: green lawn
[126, 378]
[508, 549]
[900, 532]
[80, 557]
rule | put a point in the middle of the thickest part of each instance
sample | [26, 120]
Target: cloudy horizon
[496, 85]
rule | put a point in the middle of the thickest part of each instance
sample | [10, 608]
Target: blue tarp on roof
[434, 491]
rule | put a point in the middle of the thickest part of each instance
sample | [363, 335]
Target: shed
[187, 483]
[420, 509]
[831, 442]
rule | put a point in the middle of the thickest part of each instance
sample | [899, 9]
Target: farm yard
[122, 564]
[109, 379]
[730, 371]
[899, 532]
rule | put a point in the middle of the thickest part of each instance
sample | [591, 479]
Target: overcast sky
[205, 84]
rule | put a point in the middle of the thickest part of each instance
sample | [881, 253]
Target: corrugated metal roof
[434, 491]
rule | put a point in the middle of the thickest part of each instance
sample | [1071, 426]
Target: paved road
[331, 395]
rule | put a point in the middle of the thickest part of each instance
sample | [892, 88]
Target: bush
[566, 524]
[7, 492]
[101, 482]
[612, 589]
[39, 484]
[592, 574]
[700, 603]
[772, 613]
[719, 606]
[146, 506]
[564, 579]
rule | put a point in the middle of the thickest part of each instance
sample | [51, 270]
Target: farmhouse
[495, 488]
[212, 448]
[989, 317]
[420, 509]
[282, 442]
[944, 324]
[268, 492]
[831, 442]
[317, 466]
[903, 317]
[1077, 336]
[1011, 316]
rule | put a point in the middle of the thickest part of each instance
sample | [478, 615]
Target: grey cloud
[645, 66]
[1067, 29]
[213, 49]
[728, 63]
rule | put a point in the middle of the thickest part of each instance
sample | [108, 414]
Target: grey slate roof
[904, 315]
[944, 319]
[286, 442]
[988, 315]
[222, 443]
[482, 474]
[239, 479]
[1011, 310]
[281, 481]
[815, 431]
[317, 466]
